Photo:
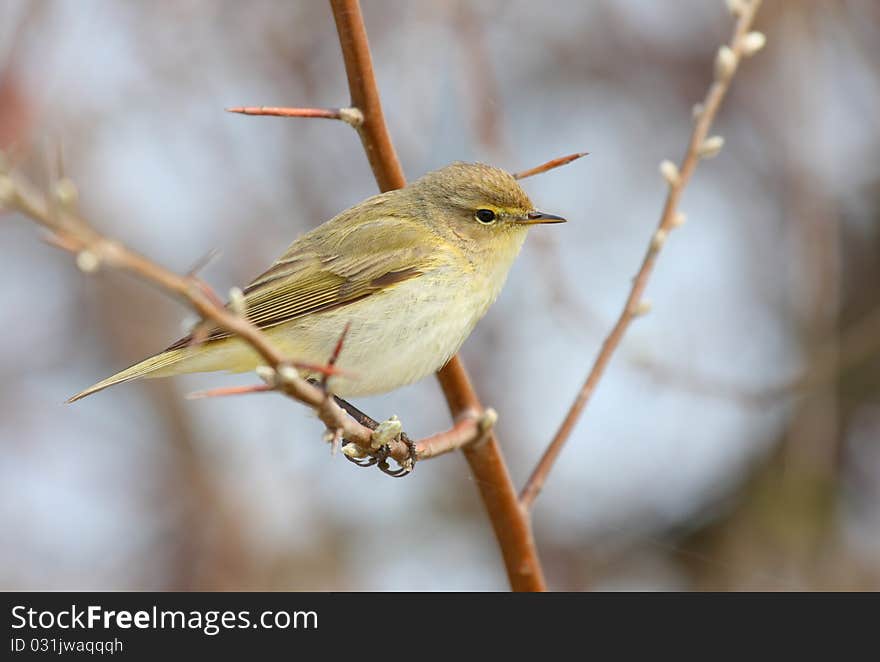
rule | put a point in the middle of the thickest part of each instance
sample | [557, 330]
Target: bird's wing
[349, 265]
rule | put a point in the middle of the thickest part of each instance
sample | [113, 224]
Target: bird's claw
[380, 456]
[407, 466]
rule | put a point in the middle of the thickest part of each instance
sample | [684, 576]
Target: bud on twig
[351, 116]
[488, 419]
[87, 262]
[236, 302]
[678, 220]
[711, 147]
[725, 63]
[670, 172]
[658, 239]
[643, 307]
[753, 42]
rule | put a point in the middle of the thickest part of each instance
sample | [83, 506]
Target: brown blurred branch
[743, 43]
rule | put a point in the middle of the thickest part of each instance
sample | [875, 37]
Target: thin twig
[230, 390]
[350, 116]
[334, 357]
[700, 146]
[550, 165]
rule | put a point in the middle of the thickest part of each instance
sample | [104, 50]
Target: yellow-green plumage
[411, 271]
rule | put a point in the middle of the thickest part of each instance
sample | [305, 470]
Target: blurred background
[733, 443]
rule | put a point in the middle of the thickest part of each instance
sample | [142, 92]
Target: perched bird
[411, 271]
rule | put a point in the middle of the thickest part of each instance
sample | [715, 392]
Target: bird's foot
[385, 433]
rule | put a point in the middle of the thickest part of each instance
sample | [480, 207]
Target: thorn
[199, 334]
[337, 350]
[550, 165]
[208, 291]
[62, 242]
[334, 438]
[203, 262]
[327, 370]
[231, 390]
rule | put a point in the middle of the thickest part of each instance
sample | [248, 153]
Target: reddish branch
[334, 357]
[677, 177]
[509, 521]
[230, 390]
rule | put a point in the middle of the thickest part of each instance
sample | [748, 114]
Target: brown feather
[307, 280]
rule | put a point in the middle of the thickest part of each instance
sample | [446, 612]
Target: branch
[743, 43]
[72, 233]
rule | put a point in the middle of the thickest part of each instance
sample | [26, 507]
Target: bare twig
[743, 43]
[550, 165]
[230, 390]
[337, 350]
[350, 116]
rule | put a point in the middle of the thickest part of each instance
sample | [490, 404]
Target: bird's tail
[152, 367]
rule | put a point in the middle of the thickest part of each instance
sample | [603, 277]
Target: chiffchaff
[411, 271]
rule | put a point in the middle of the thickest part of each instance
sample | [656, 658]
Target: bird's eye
[485, 216]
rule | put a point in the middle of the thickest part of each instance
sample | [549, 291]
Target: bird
[408, 273]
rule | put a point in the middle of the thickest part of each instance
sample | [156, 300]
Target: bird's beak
[539, 217]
